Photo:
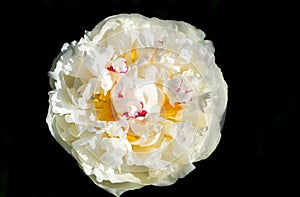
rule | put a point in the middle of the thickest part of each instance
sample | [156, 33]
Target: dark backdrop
[256, 154]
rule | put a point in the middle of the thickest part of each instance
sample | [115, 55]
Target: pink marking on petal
[142, 104]
[188, 91]
[111, 68]
[142, 113]
[179, 102]
[123, 72]
[120, 95]
[127, 115]
[179, 88]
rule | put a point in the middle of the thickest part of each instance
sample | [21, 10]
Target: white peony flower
[137, 101]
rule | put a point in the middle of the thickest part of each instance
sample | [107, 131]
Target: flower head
[137, 101]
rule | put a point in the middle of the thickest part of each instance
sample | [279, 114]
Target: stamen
[132, 138]
[170, 111]
[133, 55]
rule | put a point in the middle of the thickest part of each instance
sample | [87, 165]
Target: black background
[256, 155]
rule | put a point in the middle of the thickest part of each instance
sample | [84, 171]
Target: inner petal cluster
[152, 101]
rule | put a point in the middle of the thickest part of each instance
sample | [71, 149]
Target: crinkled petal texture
[137, 101]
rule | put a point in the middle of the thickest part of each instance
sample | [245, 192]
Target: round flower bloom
[137, 101]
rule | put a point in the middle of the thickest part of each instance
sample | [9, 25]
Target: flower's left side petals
[61, 59]
[56, 129]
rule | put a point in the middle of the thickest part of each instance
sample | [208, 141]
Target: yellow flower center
[103, 107]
